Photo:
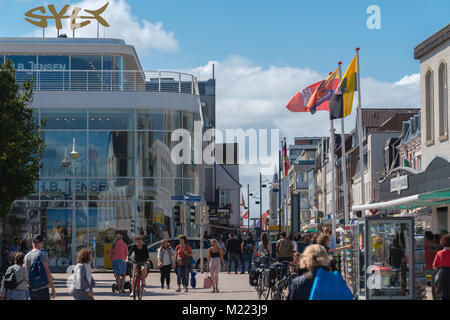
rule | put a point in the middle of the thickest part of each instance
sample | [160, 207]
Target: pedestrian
[314, 257]
[314, 239]
[324, 240]
[13, 249]
[118, 255]
[264, 249]
[442, 265]
[233, 249]
[215, 257]
[14, 284]
[294, 243]
[39, 276]
[165, 256]
[431, 248]
[285, 249]
[183, 258]
[83, 282]
[222, 246]
[247, 250]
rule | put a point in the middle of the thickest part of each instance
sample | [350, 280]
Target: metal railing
[107, 80]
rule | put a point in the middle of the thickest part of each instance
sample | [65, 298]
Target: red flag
[264, 219]
[243, 202]
[300, 100]
[320, 99]
[245, 216]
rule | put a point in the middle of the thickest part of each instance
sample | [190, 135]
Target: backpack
[10, 280]
[36, 275]
[329, 286]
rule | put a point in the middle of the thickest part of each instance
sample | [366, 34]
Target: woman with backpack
[314, 257]
[83, 282]
[264, 249]
[14, 284]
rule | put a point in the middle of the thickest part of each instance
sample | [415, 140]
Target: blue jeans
[245, 256]
[42, 294]
[182, 275]
[17, 294]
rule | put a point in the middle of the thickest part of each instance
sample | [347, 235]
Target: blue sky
[266, 51]
[304, 34]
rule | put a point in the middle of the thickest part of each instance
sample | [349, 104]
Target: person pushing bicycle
[141, 259]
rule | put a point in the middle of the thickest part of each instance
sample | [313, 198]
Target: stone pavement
[231, 286]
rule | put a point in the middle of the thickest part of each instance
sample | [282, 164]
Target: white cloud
[143, 34]
[250, 96]
[409, 80]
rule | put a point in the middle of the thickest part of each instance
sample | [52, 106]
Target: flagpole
[344, 163]
[333, 180]
[360, 130]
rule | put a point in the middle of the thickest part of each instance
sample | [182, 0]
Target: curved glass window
[158, 188]
[111, 153]
[59, 144]
[115, 119]
[53, 75]
[24, 65]
[109, 189]
[158, 120]
[154, 155]
[61, 188]
[64, 119]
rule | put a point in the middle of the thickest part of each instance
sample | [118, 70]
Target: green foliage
[21, 145]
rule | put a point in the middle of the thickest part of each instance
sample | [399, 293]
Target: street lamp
[73, 155]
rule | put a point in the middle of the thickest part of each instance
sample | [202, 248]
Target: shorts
[119, 266]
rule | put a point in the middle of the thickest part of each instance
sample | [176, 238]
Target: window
[443, 100]
[429, 106]
[224, 198]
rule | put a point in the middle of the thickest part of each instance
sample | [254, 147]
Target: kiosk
[384, 258]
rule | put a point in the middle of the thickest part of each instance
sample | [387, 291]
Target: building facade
[96, 98]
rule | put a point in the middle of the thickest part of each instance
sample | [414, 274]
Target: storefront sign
[40, 20]
[399, 183]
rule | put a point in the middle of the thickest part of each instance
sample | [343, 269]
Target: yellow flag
[348, 87]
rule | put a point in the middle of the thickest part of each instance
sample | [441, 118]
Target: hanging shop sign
[399, 183]
[38, 16]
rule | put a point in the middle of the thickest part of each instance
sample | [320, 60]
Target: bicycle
[283, 283]
[137, 288]
[262, 286]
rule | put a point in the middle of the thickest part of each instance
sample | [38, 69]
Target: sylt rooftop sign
[41, 19]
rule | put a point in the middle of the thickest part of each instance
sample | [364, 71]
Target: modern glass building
[121, 117]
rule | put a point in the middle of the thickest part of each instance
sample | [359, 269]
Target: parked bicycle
[263, 284]
[281, 286]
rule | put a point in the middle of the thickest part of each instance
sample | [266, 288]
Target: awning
[435, 198]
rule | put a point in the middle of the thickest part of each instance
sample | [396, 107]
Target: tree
[21, 145]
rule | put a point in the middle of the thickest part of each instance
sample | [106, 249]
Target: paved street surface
[231, 286]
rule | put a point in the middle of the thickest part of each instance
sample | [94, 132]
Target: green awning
[434, 198]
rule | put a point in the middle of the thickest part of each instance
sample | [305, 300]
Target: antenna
[213, 71]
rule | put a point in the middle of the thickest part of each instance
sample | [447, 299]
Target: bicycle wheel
[259, 286]
[135, 288]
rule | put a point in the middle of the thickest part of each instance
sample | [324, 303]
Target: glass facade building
[124, 178]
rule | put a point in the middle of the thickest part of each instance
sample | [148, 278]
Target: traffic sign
[178, 198]
[194, 198]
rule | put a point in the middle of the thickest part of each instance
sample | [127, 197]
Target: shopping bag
[207, 282]
[329, 286]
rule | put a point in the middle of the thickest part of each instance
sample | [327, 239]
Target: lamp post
[73, 155]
